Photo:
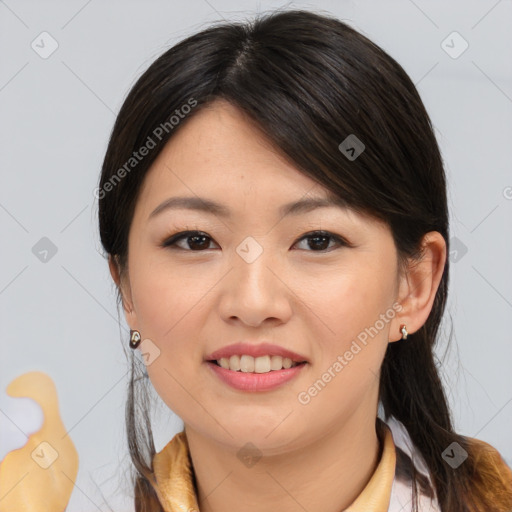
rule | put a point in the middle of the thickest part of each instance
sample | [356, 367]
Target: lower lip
[256, 381]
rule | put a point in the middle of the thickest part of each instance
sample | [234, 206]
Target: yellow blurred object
[40, 476]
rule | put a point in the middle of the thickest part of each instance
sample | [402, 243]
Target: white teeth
[234, 363]
[224, 362]
[276, 362]
[249, 364]
[262, 364]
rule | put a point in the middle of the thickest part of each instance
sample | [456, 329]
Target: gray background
[60, 316]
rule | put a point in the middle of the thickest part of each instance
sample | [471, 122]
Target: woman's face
[253, 276]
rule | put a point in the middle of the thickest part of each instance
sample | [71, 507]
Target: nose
[255, 291]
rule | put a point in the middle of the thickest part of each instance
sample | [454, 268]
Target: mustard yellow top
[175, 488]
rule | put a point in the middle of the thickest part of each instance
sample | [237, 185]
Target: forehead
[219, 161]
[219, 149]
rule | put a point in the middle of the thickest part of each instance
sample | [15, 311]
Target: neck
[326, 475]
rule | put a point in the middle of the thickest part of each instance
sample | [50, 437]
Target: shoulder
[492, 476]
[491, 481]
[485, 453]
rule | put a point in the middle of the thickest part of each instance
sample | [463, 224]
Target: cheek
[170, 304]
[350, 306]
[347, 358]
[165, 297]
[350, 354]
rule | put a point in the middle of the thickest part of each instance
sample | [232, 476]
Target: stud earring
[404, 332]
[134, 339]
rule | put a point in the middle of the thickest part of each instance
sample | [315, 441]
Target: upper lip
[250, 349]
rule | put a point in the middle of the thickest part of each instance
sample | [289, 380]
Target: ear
[419, 284]
[123, 284]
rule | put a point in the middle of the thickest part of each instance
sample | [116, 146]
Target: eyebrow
[208, 206]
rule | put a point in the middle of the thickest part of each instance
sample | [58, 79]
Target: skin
[190, 302]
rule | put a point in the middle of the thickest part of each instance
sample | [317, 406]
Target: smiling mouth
[263, 364]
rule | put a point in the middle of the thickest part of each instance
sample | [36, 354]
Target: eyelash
[170, 242]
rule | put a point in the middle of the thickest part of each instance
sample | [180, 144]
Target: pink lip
[262, 349]
[255, 381]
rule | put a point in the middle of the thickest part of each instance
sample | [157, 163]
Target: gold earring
[134, 339]
[404, 332]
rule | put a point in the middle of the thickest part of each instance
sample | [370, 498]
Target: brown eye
[319, 240]
[195, 240]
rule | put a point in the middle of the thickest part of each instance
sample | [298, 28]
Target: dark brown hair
[308, 81]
